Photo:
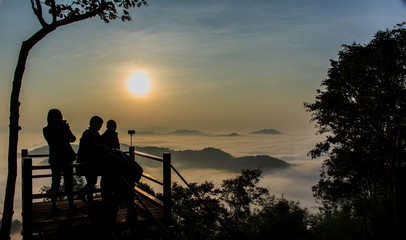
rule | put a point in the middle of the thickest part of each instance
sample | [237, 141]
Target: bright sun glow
[139, 83]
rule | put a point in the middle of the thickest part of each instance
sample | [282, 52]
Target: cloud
[294, 182]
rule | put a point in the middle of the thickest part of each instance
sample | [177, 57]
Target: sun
[139, 83]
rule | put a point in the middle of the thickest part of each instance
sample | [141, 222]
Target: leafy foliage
[362, 111]
[337, 224]
[195, 219]
[279, 218]
[240, 194]
[107, 9]
[78, 184]
[239, 209]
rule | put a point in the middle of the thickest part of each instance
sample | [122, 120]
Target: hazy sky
[214, 65]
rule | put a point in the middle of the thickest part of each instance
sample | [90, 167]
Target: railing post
[26, 168]
[24, 153]
[167, 187]
[131, 150]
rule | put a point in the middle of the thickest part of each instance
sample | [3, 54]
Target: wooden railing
[27, 185]
[166, 182]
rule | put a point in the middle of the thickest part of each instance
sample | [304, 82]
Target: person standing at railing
[59, 136]
[110, 136]
[110, 139]
[120, 174]
[88, 153]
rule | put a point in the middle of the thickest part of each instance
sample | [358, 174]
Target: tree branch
[37, 9]
[65, 21]
[53, 8]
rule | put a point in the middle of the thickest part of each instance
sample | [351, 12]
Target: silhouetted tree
[335, 223]
[60, 13]
[228, 212]
[195, 219]
[362, 111]
[242, 193]
[278, 218]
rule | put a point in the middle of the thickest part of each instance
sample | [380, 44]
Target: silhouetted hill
[188, 132]
[185, 132]
[266, 131]
[40, 150]
[213, 158]
[206, 158]
[229, 135]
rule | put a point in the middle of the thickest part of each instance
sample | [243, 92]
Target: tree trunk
[15, 111]
[8, 208]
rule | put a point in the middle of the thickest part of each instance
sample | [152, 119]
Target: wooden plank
[43, 220]
[49, 195]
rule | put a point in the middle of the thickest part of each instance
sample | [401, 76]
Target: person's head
[96, 122]
[54, 117]
[111, 125]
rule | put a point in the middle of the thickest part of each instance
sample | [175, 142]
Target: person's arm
[69, 135]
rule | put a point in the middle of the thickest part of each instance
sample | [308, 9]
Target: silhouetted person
[127, 172]
[61, 155]
[88, 153]
[110, 136]
[121, 172]
[110, 139]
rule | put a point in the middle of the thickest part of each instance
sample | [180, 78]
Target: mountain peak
[267, 131]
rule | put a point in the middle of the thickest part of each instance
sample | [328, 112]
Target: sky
[215, 66]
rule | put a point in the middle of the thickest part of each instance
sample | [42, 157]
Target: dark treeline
[361, 109]
[239, 209]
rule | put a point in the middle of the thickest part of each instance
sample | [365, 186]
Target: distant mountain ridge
[267, 131]
[213, 158]
[206, 158]
[188, 132]
[229, 135]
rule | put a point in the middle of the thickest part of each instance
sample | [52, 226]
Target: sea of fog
[293, 183]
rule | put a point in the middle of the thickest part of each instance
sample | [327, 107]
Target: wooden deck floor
[94, 218]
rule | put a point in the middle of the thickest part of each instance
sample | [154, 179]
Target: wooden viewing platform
[39, 222]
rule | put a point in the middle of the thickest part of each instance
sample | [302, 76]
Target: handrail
[39, 167]
[156, 180]
[153, 198]
[37, 155]
[145, 175]
[142, 203]
[146, 155]
[28, 196]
